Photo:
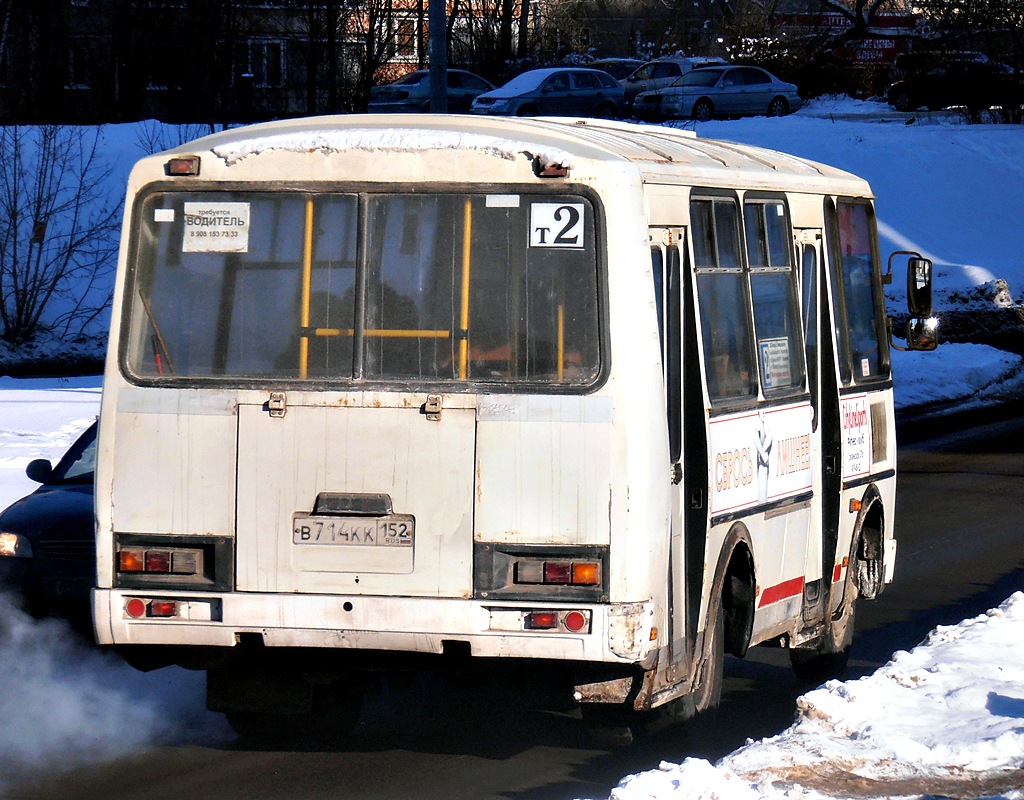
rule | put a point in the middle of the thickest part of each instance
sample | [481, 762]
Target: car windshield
[700, 77]
[79, 463]
[526, 81]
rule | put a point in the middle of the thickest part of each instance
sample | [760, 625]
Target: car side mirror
[40, 470]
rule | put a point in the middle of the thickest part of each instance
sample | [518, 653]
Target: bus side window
[774, 294]
[722, 298]
[864, 308]
[809, 267]
[658, 268]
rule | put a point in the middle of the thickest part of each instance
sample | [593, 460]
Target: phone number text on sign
[216, 228]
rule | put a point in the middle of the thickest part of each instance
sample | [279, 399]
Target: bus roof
[660, 154]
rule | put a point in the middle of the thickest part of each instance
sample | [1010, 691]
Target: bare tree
[58, 231]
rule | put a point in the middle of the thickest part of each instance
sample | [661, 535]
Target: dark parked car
[618, 68]
[411, 93]
[563, 92]
[974, 84]
[47, 539]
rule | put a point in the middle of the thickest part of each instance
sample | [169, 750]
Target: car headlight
[14, 546]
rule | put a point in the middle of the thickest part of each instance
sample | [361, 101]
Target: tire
[901, 101]
[778, 107]
[703, 111]
[605, 111]
[526, 111]
[707, 685]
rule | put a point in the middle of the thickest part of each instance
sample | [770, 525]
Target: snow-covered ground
[945, 719]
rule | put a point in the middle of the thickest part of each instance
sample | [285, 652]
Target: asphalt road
[961, 551]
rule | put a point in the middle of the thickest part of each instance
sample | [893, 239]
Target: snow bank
[946, 718]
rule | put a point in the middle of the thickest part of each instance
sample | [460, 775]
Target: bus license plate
[395, 530]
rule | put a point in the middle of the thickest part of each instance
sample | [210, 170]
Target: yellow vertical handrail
[467, 230]
[307, 279]
[561, 342]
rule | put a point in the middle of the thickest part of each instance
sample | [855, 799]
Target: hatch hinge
[432, 408]
[277, 405]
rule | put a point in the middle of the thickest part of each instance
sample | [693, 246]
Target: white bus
[451, 392]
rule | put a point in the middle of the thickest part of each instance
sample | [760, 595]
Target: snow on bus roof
[565, 141]
[386, 140]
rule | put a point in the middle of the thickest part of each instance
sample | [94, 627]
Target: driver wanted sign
[855, 422]
[216, 228]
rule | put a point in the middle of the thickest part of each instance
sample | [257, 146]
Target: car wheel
[778, 107]
[703, 111]
[605, 111]
[525, 111]
[901, 101]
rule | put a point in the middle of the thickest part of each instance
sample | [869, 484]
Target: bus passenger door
[666, 268]
[687, 440]
[826, 443]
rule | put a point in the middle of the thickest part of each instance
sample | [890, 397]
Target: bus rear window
[410, 287]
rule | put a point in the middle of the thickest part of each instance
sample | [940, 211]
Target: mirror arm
[892, 341]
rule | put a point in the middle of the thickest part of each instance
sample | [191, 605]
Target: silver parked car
[661, 72]
[411, 93]
[719, 92]
[560, 91]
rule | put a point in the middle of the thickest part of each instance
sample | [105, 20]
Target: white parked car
[661, 72]
[727, 91]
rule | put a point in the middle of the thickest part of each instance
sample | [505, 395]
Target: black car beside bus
[47, 538]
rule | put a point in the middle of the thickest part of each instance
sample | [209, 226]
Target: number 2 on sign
[557, 225]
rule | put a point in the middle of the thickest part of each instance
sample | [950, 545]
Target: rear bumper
[617, 633]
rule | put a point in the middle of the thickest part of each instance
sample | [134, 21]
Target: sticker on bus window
[163, 215]
[503, 201]
[775, 363]
[557, 225]
[216, 228]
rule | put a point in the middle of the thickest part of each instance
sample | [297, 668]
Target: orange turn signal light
[131, 560]
[585, 573]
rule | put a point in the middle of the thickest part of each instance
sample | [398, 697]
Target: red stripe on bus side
[784, 590]
[837, 573]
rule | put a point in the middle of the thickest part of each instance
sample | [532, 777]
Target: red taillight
[541, 620]
[135, 608]
[183, 165]
[158, 561]
[557, 572]
[575, 621]
[163, 608]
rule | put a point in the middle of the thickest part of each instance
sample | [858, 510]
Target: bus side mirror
[922, 328]
[919, 287]
[922, 334]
